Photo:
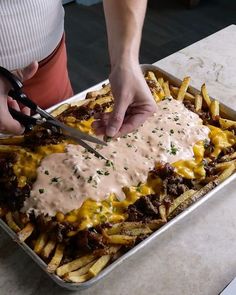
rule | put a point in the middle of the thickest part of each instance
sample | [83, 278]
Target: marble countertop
[197, 255]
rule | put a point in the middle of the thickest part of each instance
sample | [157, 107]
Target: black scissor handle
[14, 81]
[27, 121]
[22, 98]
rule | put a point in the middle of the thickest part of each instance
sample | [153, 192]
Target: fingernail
[111, 131]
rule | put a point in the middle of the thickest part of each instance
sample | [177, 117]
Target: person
[32, 45]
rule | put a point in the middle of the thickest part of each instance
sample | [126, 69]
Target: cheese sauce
[67, 179]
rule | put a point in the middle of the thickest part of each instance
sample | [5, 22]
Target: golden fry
[26, 232]
[182, 198]
[225, 123]
[75, 276]
[183, 88]
[166, 89]
[56, 112]
[205, 95]
[40, 243]
[215, 110]
[11, 223]
[198, 102]
[103, 91]
[99, 265]
[175, 90]
[47, 250]
[120, 239]
[56, 259]
[75, 264]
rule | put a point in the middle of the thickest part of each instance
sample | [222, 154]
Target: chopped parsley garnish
[173, 149]
[129, 145]
[176, 119]
[100, 172]
[106, 173]
[41, 190]
[55, 179]
[46, 172]
[109, 163]
[126, 168]
[70, 189]
[90, 179]
[171, 131]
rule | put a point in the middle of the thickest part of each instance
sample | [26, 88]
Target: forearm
[124, 20]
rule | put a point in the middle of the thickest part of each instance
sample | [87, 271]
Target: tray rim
[75, 286]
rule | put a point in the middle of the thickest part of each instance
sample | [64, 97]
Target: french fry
[225, 123]
[215, 110]
[56, 112]
[99, 265]
[183, 88]
[75, 276]
[100, 101]
[198, 102]
[56, 259]
[162, 211]
[40, 243]
[123, 226]
[229, 157]
[161, 81]
[75, 264]
[182, 198]
[11, 223]
[225, 165]
[14, 140]
[155, 224]
[175, 90]
[25, 232]
[103, 91]
[47, 250]
[226, 173]
[166, 89]
[120, 239]
[205, 95]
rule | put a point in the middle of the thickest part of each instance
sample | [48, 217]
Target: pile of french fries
[123, 234]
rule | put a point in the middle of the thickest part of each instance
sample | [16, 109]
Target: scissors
[45, 120]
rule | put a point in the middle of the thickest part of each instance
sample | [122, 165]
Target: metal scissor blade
[77, 134]
[88, 147]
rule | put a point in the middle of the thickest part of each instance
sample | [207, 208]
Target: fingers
[116, 118]
[7, 123]
[27, 72]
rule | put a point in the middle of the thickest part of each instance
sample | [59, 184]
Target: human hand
[133, 102]
[7, 123]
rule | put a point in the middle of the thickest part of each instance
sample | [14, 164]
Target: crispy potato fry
[225, 123]
[226, 173]
[166, 89]
[229, 157]
[11, 223]
[26, 232]
[56, 112]
[155, 224]
[40, 243]
[161, 81]
[183, 88]
[75, 264]
[122, 226]
[47, 250]
[198, 102]
[182, 198]
[162, 211]
[71, 277]
[14, 140]
[225, 165]
[100, 101]
[75, 276]
[9, 149]
[103, 91]
[99, 265]
[120, 239]
[56, 259]
[215, 110]
[205, 95]
[175, 90]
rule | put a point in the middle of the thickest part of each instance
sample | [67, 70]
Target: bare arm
[133, 100]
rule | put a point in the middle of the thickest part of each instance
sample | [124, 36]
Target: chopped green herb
[100, 172]
[106, 173]
[171, 131]
[46, 172]
[129, 145]
[90, 179]
[173, 149]
[176, 119]
[109, 163]
[41, 190]
[70, 189]
[126, 168]
[55, 179]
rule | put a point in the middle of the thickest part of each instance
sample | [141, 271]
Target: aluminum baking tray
[228, 112]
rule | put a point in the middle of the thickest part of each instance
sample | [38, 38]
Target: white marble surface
[197, 256]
